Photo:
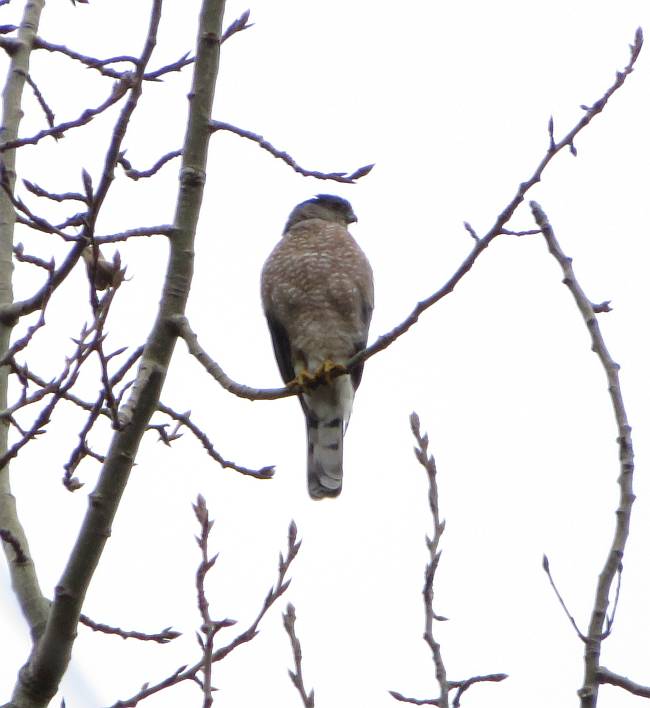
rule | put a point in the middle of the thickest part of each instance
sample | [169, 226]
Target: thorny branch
[184, 673]
[596, 634]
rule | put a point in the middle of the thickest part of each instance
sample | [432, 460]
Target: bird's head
[328, 207]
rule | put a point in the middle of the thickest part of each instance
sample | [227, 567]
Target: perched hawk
[317, 294]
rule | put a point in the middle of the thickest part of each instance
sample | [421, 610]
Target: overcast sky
[451, 101]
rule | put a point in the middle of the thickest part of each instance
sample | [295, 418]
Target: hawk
[317, 293]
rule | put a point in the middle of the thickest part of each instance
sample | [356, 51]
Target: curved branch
[606, 676]
[595, 635]
[285, 157]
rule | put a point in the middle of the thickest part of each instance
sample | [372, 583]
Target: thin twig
[589, 691]
[184, 673]
[185, 420]
[161, 230]
[120, 88]
[22, 257]
[101, 65]
[238, 25]
[49, 114]
[63, 197]
[428, 463]
[504, 217]
[289, 619]
[163, 637]
[547, 570]
[344, 177]
[134, 174]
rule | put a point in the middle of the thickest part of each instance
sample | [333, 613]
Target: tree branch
[24, 580]
[289, 619]
[589, 691]
[504, 217]
[606, 676]
[184, 419]
[39, 679]
[184, 673]
[350, 178]
[445, 685]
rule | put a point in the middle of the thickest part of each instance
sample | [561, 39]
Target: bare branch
[504, 217]
[33, 221]
[177, 65]
[190, 674]
[613, 564]
[464, 685]
[134, 174]
[289, 619]
[606, 676]
[184, 419]
[49, 114]
[12, 312]
[239, 25]
[216, 125]
[101, 65]
[196, 350]
[66, 196]
[428, 463]
[120, 88]
[547, 570]
[163, 637]
[162, 230]
[49, 658]
[415, 701]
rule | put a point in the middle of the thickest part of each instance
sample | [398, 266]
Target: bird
[318, 297]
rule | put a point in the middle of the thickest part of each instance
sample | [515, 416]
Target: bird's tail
[324, 457]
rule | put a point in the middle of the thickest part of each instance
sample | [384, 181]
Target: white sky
[451, 101]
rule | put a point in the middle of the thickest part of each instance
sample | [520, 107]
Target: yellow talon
[328, 368]
[324, 374]
[304, 378]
